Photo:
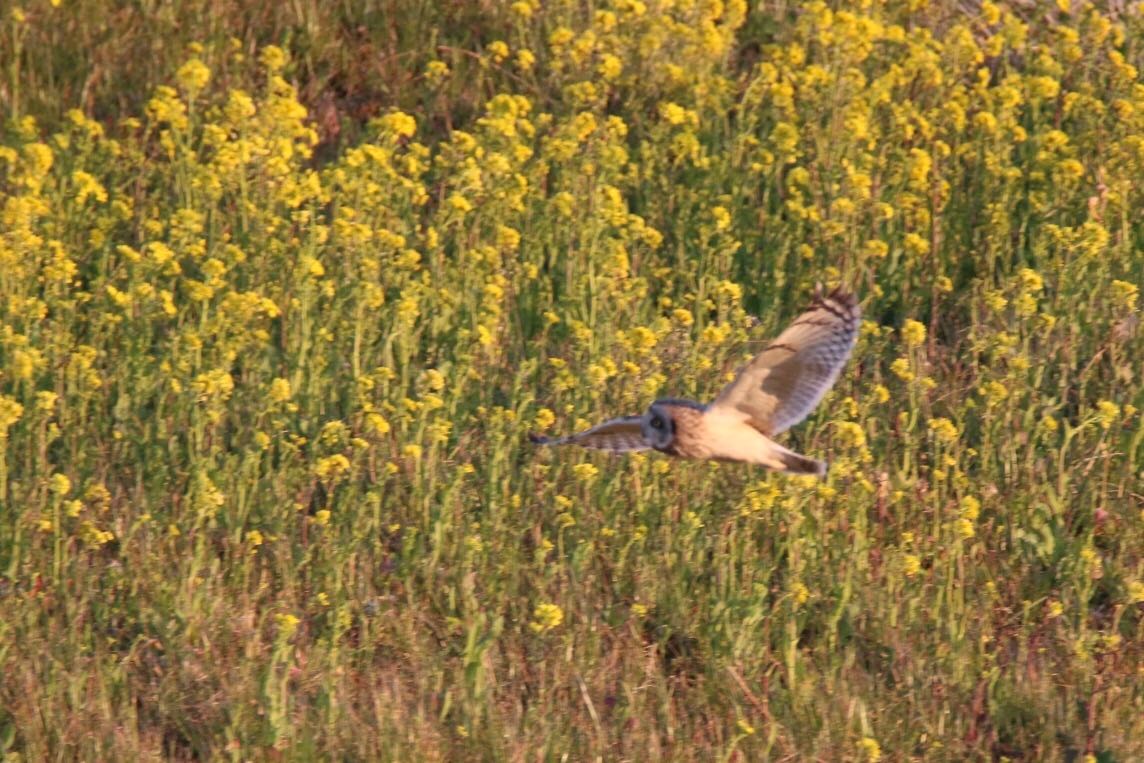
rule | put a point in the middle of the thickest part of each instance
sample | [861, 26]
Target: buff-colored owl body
[777, 389]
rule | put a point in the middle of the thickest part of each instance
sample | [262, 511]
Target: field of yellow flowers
[283, 292]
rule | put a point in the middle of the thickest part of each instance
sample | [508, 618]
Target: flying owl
[777, 389]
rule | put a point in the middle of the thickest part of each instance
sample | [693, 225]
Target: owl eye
[657, 423]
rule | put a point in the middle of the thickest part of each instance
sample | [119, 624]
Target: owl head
[658, 426]
[660, 423]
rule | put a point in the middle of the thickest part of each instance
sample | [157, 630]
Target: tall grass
[277, 313]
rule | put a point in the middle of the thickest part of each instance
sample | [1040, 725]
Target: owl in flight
[777, 389]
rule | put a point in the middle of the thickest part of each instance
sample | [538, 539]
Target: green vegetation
[278, 310]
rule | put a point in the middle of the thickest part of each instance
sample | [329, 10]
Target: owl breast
[716, 434]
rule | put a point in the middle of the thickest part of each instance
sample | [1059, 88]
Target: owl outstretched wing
[783, 383]
[620, 435]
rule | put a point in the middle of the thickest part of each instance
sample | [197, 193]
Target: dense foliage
[277, 314]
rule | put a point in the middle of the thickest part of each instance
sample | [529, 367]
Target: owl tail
[793, 463]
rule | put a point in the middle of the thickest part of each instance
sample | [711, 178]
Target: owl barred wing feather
[620, 435]
[784, 383]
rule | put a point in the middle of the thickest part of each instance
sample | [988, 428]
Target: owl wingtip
[842, 295]
[538, 439]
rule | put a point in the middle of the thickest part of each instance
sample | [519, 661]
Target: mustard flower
[287, 625]
[397, 124]
[850, 434]
[435, 71]
[913, 333]
[546, 617]
[901, 368]
[1106, 413]
[193, 76]
[585, 472]
[60, 484]
[273, 58]
[332, 467]
[1124, 294]
[497, 50]
[525, 59]
[944, 429]
[544, 418]
[870, 748]
[911, 565]
[610, 67]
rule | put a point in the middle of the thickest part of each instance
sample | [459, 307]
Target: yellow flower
[397, 124]
[585, 472]
[1124, 294]
[913, 333]
[785, 138]
[722, 218]
[193, 76]
[916, 245]
[911, 565]
[546, 617]
[870, 748]
[273, 58]
[985, 122]
[312, 266]
[60, 484]
[332, 466]
[497, 50]
[435, 71]
[376, 424]
[46, 401]
[1106, 413]
[996, 301]
[715, 335]
[970, 508]
[87, 187]
[525, 59]
[287, 625]
[672, 113]
[850, 434]
[944, 429]
[544, 418]
[901, 368]
[610, 67]
[994, 392]
[280, 390]
[459, 203]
